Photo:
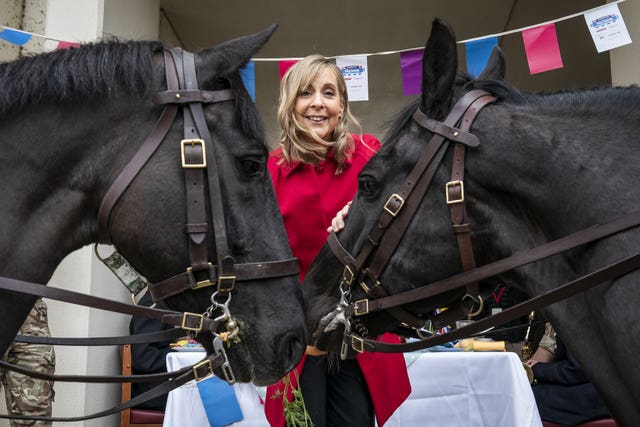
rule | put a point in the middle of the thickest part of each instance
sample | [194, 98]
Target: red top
[309, 198]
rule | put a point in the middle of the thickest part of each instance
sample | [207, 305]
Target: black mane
[627, 100]
[88, 72]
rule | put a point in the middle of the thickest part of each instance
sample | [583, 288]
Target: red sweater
[309, 198]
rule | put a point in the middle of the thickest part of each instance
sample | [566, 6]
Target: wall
[625, 60]
[342, 27]
[81, 271]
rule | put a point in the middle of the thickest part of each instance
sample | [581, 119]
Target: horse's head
[380, 204]
[178, 215]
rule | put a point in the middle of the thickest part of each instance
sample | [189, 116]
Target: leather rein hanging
[199, 164]
[393, 222]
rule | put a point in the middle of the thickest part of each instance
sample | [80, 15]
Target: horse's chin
[330, 342]
[243, 367]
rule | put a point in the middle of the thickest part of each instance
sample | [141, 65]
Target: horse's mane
[95, 71]
[626, 99]
[88, 72]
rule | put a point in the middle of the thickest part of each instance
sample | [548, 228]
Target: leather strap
[497, 267]
[455, 198]
[243, 272]
[582, 284]
[188, 321]
[200, 370]
[186, 96]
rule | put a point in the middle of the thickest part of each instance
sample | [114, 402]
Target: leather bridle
[200, 169]
[367, 267]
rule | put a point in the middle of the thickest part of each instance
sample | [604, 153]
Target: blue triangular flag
[478, 53]
[219, 401]
[248, 75]
[14, 36]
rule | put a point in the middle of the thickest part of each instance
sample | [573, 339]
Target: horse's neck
[537, 178]
[51, 168]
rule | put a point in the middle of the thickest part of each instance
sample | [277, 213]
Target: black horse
[70, 121]
[547, 165]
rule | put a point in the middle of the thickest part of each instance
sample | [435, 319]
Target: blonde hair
[295, 136]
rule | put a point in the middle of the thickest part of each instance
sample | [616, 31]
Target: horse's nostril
[291, 348]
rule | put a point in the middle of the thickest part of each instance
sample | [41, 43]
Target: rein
[393, 222]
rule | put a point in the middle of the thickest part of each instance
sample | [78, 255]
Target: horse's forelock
[85, 73]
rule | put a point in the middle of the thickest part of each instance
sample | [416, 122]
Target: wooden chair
[135, 417]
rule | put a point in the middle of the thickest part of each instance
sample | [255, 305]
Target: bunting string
[605, 23]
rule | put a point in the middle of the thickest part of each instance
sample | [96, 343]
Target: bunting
[478, 52]
[605, 24]
[542, 49]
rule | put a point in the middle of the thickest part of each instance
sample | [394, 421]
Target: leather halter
[401, 206]
[394, 220]
[200, 168]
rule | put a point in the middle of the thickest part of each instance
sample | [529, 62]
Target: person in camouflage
[25, 395]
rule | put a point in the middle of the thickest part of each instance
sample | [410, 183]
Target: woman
[314, 172]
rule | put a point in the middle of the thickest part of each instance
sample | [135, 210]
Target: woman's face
[319, 106]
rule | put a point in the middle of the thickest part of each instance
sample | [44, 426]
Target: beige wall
[625, 60]
[82, 21]
[342, 27]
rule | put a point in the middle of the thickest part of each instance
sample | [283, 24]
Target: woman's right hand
[337, 223]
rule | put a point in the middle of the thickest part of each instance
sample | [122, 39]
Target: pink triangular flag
[542, 49]
[284, 65]
[67, 45]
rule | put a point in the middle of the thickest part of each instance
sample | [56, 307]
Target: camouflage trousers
[24, 395]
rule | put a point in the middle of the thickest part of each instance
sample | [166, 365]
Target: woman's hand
[313, 351]
[337, 223]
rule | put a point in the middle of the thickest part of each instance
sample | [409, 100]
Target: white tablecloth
[449, 389]
[184, 407]
[481, 389]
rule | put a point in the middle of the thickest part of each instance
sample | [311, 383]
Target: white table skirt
[470, 389]
[184, 407]
[481, 389]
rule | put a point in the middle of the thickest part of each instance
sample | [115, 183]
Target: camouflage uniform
[24, 395]
[548, 340]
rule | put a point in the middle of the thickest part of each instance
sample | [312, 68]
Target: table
[470, 389]
[184, 407]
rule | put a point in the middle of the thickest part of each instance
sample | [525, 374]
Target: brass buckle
[397, 198]
[452, 184]
[222, 280]
[471, 314]
[347, 275]
[199, 365]
[191, 328]
[357, 344]
[361, 307]
[193, 142]
[366, 288]
[201, 283]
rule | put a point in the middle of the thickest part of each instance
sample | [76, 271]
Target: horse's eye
[250, 166]
[368, 186]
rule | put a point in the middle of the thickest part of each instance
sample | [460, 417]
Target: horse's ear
[231, 55]
[438, 69]
[495, 68]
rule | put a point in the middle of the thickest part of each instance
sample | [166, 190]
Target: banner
[248, 74]
[356, 75]
[14, 36]
[607, 27]
[411, 69]
[541, 47]
[478, 53]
